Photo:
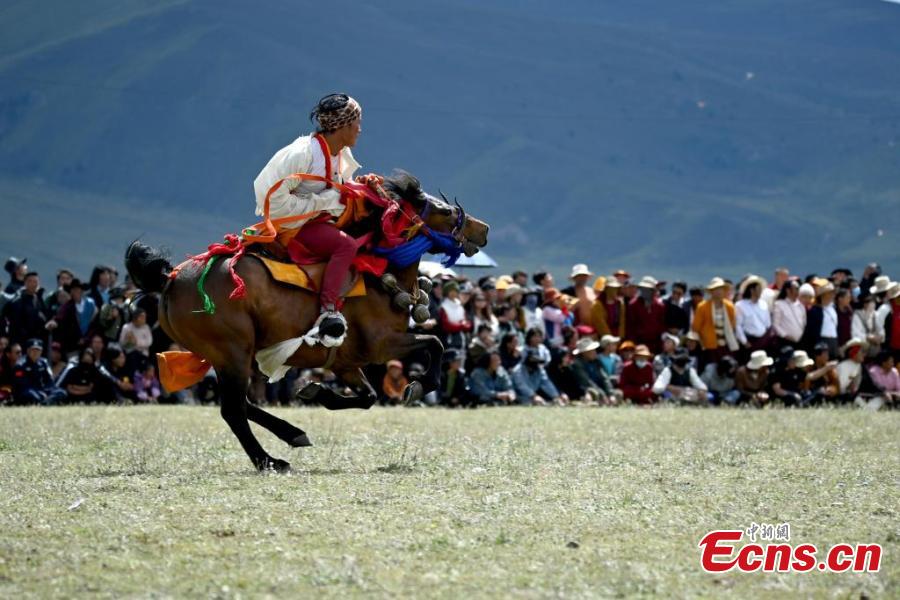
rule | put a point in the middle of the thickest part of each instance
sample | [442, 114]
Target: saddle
[307, 277]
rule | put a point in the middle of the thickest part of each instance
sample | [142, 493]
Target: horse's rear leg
[233, 386]
[315, 392]
[293, 436]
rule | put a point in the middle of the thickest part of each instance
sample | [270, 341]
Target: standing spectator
[714, 322]
[636, 381]
[490, 383]
[17, 270]
[869, 279]
[454, 323]
[520, 278]
[807, 296]
[453, 380]
[113, 315]
[696, 297]
[646, 316]
[891, 320]
[394, 382]
[771, 293]
[880, 288]
[822, 321]
[544, 280]
[679, 382]
[100, 284]
[788, 316]
[677, 316]
[81, 378]
[753, 320]
[593, 380]
[32, 380]
[75, 318]
[583, 293]
[555, 314]
[608, 311]
[752, 379]
[532, 315]
[146, 384]
[719, 380]
[865, 326]
[59, 296]
[842, 300]
[26, 315]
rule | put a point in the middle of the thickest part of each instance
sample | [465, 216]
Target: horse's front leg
[328, 398]
[400, 346]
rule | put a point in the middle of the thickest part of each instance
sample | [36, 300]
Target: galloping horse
[271, 313]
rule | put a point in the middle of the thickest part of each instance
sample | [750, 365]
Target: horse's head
[439, 214]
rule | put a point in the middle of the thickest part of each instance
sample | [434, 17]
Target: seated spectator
[626, 353]
[117, 381]
[483, 314]
[453, 319]
[788, 316]
[530, 379]
[636, 380]
[886, 379]
[719, 380]
[593, 380]
[394, 382]
[81, 378]
[612, 362]
[57, 360]
[146, 384]
[823, 380]
[849, 370]
[789, 382]
[510, 352]
[490, 383]
[453, 392]
[482, 344]
[532, 314]
[75, 318]
[664, 358]
[32, 380]
[752, 379]
[508, 323]
[136, 339]
[679, 381]
[9, 356]
[691, 343]
[608, 311]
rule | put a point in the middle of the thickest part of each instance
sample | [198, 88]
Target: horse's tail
[148, 267]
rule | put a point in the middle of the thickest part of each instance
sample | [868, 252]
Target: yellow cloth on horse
[291, 274]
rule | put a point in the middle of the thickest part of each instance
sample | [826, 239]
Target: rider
[325, 153]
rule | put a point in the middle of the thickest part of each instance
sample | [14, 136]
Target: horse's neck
[408, 277]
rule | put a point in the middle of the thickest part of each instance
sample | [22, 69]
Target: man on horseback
[325, 153]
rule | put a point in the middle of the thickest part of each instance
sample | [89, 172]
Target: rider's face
[351, 132]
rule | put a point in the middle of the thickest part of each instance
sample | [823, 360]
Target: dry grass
[434, 503]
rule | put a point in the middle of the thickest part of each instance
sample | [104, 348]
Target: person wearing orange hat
[394, 382]
[637, 378]
[555, 314]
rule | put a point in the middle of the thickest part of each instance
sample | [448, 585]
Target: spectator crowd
[515, 339]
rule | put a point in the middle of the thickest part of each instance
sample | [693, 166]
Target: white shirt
[769, 296]
[662, 382]
[880, 315]
[752, 319]
[829, 321]
[296, 197]
[789, 319]
[849, 372]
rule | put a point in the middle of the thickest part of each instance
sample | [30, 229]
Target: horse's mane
[405, 186]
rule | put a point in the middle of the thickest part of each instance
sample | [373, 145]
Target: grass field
[161, 501]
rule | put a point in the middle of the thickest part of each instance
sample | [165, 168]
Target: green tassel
[209, 307]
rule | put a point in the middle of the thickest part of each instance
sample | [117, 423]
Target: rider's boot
[331, 322]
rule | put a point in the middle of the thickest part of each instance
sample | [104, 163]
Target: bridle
[456, 234]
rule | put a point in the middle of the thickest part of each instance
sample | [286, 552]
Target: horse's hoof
[275, 464]
[309, 392]
[301, 441]
[412, 393]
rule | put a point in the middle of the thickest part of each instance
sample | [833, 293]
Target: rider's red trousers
[322, 239]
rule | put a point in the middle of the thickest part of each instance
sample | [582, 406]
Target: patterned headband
[333, 120]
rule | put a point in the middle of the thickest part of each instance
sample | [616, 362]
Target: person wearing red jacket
[454, 322]
[637, 377]
[645, 318]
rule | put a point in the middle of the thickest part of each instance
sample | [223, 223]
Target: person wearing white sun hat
[583, 293]
[752, 379]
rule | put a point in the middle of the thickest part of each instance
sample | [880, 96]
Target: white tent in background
[479, 261]
[432, 269]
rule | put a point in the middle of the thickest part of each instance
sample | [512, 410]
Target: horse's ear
[406, 186]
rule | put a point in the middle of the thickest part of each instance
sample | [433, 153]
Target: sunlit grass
[435, 503]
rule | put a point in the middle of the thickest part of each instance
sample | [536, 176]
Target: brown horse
[272, 312]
